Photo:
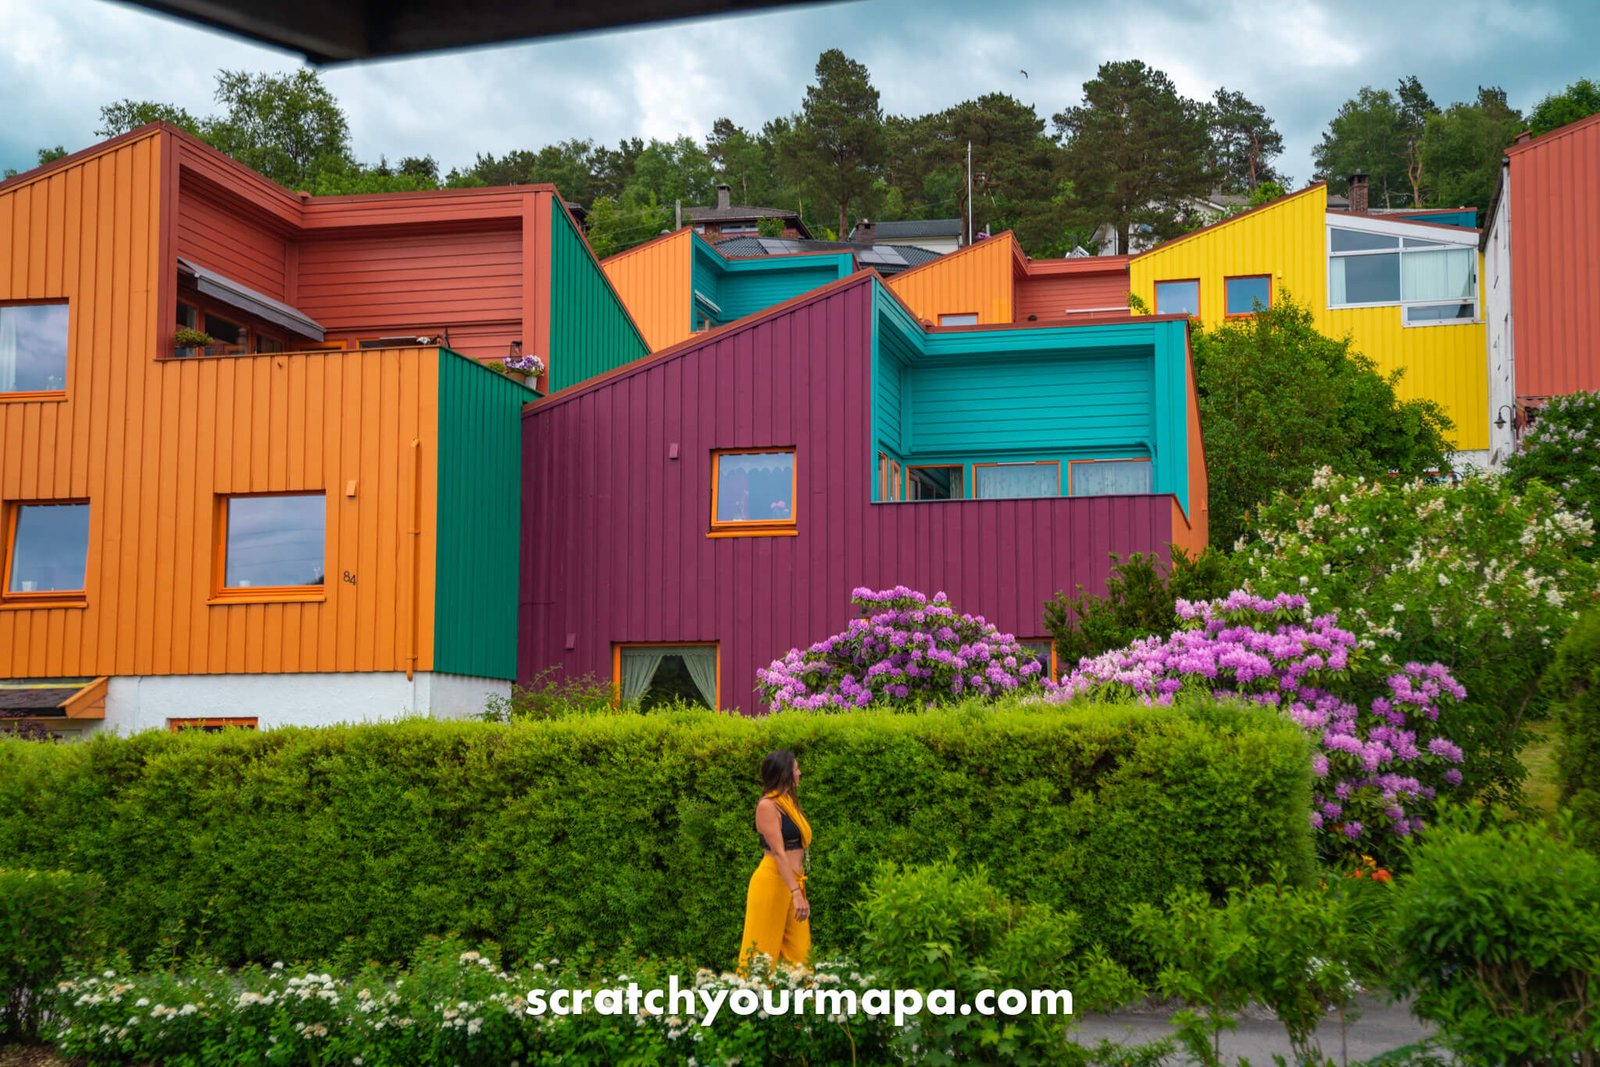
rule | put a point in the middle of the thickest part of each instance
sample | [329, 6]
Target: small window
[188, 316]
[1178, 298]
[1013, 481]
[1108, 477]
[753, 492]
[212, 726]
[1435, 314]
[226, 331]
[1246, 296]
[273, 542]
[47, 550]
[33, 348]
[966, 318]
[268, 344]
[653, 675]
[894, 479]
[935, 483]
[1044, 650]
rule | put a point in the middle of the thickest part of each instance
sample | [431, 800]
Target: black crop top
[791, 833]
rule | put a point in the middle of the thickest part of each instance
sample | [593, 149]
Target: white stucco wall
[145, 703]
[1497, 315]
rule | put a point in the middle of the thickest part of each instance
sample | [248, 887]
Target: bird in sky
[1024, 74]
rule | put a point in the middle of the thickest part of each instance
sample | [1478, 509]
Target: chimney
[866, 232]
[1358, 194]
[724, 196]
[1524, 137]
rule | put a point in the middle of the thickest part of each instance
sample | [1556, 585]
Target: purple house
[691, 516]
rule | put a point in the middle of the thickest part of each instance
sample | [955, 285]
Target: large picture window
[1108, 477]
[46, 550]
[272, 544]
[1434, 282]
[33, 348]
[753, 492]
[1011, 481]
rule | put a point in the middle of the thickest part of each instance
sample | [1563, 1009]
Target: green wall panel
[479, 512]
[590, 331]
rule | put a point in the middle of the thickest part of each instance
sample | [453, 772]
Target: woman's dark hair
[777, 772]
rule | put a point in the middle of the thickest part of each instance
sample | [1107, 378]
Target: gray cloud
[60, 60]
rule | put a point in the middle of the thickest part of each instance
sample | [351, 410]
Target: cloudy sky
[60, 60]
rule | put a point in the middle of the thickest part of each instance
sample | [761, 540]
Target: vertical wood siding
[653, 281]
[614, 544]
[1555, 260]
[151, 444]
[469, 283]
[590, 329]
[230, 242]
[480, 474]
[1288, 240]
[978, 278]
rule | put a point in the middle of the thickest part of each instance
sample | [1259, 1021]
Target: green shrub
[935, 927]
[1139, 602]
[1498, 937]
[1574, 680]
[552, 694]
[284, 843]
[1476, 576]
[45, 918]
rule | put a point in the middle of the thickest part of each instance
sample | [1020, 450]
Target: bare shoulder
[766, 804]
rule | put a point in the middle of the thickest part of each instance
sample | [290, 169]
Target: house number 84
[349, 577]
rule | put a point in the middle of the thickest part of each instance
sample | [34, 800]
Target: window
[47, 551]
[1247, 295]
[655, 674]
[212, 726]
[935, 483]
[1108, 477]
[1010, 481]
[1435, 282]
[1178, 298]
[894, 479]
[1044, 650]
[752, 492]
[969, 318]
[272, 543]
[33, 348]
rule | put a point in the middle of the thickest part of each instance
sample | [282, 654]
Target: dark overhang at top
[337, 31]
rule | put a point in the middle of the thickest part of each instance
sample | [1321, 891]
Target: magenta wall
[614, 545]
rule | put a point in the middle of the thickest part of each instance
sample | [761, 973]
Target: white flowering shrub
[1476, 576]
[1562, 449]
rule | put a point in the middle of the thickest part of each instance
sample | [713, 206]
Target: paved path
[1382, 1027]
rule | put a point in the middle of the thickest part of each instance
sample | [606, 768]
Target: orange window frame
[39, 598]
[1245, 278]
[1155, 292]
[894, 481]
[757, 527]
[1054, 665]
[962, 467]
[244, 722]
[221, 593]
[20, 396]
[1016, 463]
[616, 662]
[1110, 459]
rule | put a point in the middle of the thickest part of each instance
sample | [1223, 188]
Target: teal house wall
[591, 331]
[479, 501]
[1115, 391]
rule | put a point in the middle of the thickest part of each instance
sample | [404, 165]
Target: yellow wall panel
[976, 279]
[1288, 241]
[151, 443]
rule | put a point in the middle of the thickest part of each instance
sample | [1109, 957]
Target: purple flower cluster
[1375, 761]
[906, 649]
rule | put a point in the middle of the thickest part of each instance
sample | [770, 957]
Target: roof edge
[1208, 227]
[82, 155]
[1576, 126]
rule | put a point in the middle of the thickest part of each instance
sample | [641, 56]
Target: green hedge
[1574, 682]
[287, 843]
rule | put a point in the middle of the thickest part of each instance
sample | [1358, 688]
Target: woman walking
[777, 916]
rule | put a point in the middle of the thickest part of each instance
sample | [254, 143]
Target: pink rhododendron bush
[906, 650]
[1380, 757]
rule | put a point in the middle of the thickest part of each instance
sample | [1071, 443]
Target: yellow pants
[769, 922]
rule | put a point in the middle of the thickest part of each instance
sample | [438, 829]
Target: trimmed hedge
[289, 844]
[1574, 681]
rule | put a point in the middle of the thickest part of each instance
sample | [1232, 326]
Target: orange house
[992, 282]
[308, 514]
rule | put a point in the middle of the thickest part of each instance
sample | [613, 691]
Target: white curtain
[640, 663]
[8, 350]
[1445, 275]
[1111, 478]
[1013, 480]
[638, 670]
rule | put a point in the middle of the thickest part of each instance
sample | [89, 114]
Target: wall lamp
[1500, 416]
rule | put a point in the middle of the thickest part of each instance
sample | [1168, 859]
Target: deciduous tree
[1462, 147]
[1578, 100]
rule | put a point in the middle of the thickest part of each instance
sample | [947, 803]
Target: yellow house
[1407, 293]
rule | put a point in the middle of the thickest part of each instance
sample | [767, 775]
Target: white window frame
[1435, 235]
